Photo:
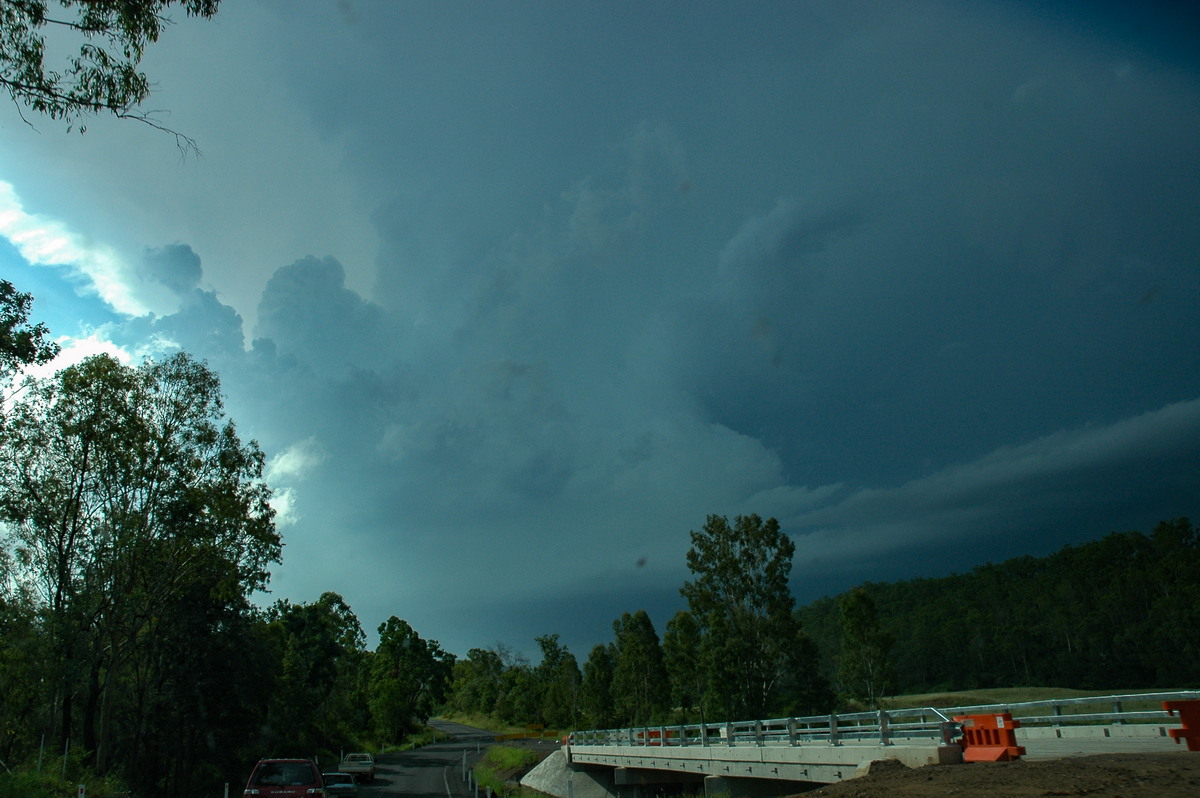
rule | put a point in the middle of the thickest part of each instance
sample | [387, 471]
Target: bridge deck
[820, 763]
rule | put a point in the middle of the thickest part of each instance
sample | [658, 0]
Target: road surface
[435, 771]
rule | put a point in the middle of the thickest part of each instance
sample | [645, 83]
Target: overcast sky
[514, 295]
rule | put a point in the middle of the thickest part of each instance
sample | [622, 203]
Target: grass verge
[501, 767]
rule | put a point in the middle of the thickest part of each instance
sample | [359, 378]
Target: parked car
[360, 765]
[341, 785]
[286, 778]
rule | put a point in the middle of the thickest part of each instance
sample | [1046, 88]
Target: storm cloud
[513, 298]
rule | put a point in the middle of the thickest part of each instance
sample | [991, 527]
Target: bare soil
[1158, 775]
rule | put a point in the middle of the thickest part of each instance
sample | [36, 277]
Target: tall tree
[409, 679]
[120, 485]
[755, 655]
[640, 688]
[681, 656]
[558, 674]
[596, 690]
[864, 671]
[109, 36]
[319, 696]
[477, 682]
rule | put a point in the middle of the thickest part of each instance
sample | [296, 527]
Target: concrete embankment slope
[554, 775]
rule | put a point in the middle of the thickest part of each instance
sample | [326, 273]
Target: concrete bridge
[767, 757]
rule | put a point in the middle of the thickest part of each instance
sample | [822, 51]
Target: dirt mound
[1167, 775]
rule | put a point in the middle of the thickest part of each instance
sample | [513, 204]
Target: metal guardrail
[883, 727]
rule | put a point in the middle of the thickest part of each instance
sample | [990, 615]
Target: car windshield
[283, 774]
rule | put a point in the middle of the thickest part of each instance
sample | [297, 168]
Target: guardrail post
[758, 732]
[683, 740]
[833, 730]
[791, 731]
[885, 732]
[1117, 711]
[728, 733]
[704, 735]
[1057, 713]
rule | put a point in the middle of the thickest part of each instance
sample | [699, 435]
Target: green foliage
[508, 691]
[132, 507]
[408, 678]
[21, 343]
[754, 654]
[558, 677]
[103, 77]
[1117, 613]
[499, 764]
[599, 708]
[681, 656]
[640, 688]
[59, 776]
[864, 672]
[319, 696]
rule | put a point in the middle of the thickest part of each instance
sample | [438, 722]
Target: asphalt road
[435, 771]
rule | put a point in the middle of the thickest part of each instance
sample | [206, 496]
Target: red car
[286, 778]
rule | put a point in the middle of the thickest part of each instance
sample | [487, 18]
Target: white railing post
[833, 729]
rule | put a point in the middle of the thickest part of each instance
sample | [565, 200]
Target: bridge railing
[880, 727]
[883, 727]
[1092, 710]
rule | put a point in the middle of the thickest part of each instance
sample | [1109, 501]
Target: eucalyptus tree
[319, 695]
[121, 486]
[107, 38]
[558, 677]
[596, 689]
[754, 654]
[641, 691]
[681, 656]
[864, 669]
[21, 343]
[477, 683]
[409, 677]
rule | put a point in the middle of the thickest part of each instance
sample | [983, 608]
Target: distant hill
[1120, 612]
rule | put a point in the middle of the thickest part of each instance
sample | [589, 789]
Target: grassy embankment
[501, 766]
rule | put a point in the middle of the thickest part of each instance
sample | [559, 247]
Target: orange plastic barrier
[656, 737]
[990, 738]
[1189, 716]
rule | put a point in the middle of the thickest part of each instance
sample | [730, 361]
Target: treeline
[1120, 612]
[134, 527]
[737, 652]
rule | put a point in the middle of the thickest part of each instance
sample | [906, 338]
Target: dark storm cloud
[919, 279]
[205, 325]
[1033, 497]
[311, 315]
[202, 323]
[175, 266]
